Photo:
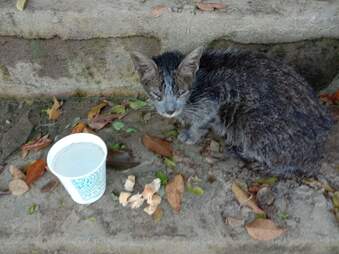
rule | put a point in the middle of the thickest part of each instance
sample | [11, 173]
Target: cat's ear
[190, 65]
[145, 66]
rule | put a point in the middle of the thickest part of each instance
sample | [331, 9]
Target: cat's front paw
[185, 136]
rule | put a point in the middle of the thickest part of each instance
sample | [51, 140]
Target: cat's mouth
[176, 113]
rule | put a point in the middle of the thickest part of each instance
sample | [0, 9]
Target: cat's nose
[170, 112]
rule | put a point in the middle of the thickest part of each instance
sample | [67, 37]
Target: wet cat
[267, 113]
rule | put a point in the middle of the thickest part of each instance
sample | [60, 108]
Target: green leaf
[117, 146]
[115, 196]
[171, 133]
[162, 176]
[118, 109]
[282, 215]
[260, 216]
[195, 190]
[118, 125]
[335, 199]
[169, 163]
[131, 130]
[92, 219]
[137, 104]
[33, 209]
[269, 180]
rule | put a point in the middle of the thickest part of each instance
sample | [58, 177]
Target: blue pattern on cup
[90, 186]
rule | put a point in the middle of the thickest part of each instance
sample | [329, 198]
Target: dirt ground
[206, 224]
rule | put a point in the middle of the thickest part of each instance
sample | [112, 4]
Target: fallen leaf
[269, 180]
[35, 171]
[210, 6]
[131, 130]
[79, 127]
[21, 4]
[263, 229]
[136, 201]
[162, 176]
[174, 192]
[123, 198]
[96, 110]
[335, 199]
[120, 160]
[282, 215]
[158, 10]
[100, 121]
[158, 145]
[91, 219]
[129, 184]
[16, 173]
[35, 145]
[117, 146]
[244, 199]
[50, 186]
[118, 125]
[158, 214]
[54, 112]
[198, 191]
[150, 209]
[33, 209]
[169, 163]
[137, 104]
[118, 109]
[18, 187]
[170, 133]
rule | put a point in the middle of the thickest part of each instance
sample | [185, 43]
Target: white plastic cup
[84, 187]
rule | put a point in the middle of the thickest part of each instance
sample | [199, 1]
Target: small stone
[136, 201]
[265, 197]
[123, 198]
[233, 221]
[129, 184]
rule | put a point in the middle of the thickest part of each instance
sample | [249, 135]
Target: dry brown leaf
[96, 110]
[80, 127]
[50, 186]
[263, 229]
[54, 112]
[174, 192]
[210, 6]
[35, 171]
[100, 122]
[158, 214]
[158, 10]
[16, 173]
[158, 145]
[244, 199]
[18, 187]
[35, 145]
[150, 209]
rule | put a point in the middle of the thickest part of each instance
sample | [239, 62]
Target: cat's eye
[156, 96]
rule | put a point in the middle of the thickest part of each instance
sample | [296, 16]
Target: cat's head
[167, 79]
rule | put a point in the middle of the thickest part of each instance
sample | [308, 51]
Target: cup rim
[56, 145]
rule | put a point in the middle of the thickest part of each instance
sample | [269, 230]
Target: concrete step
[87, 42]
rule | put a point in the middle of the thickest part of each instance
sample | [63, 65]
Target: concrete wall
[66, 46]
